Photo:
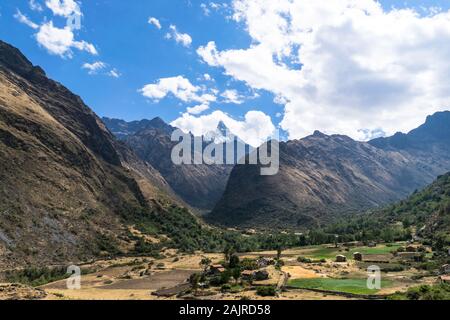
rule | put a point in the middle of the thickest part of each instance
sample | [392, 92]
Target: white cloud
[179, 87]
[198, 109]
[255, 129]
[342, 66]
[207, 8]
[114, 73]
[94, 68]
[25, 20]
[64, 8]
[181, 38]
[60, 41]
[232, 96]
[209, 54]
[35, 6]
[155, 22]
[57, 41]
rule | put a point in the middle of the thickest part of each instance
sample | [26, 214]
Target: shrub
[268, 291]
[249, 264]
[304, 260]
[225, 288]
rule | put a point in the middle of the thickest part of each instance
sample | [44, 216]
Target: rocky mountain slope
[323, 177]
[68, 189]
[201, 186]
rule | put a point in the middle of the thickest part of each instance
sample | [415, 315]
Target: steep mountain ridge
[66, 184]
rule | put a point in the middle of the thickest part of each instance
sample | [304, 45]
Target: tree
[236, 274]
[279, 252]
[228, 253]
[234, 262]
[194, 281]
[205, 263]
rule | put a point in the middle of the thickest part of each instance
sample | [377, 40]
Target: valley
[147, 278]
[104, 195]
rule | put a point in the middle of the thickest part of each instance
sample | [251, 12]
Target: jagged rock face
[200, 186]
[321, 178]
[64, 180]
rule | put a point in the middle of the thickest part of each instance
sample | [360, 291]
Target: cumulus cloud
[155, 22]
[181, 38]
[342, 66]
[60, 42]
[64, 8]
[232, 96]
[25, 20]
[94, 68]
[254, 129]
[57, 41]
[180, 88]
[198, 109]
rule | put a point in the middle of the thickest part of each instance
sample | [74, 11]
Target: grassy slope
[425, 212]
[431, 205]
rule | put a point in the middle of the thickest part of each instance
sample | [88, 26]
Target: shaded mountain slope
[67, 187]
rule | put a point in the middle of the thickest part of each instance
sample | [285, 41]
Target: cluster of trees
[369, 228]
[425, 292]
[36, 276]
[187, 234]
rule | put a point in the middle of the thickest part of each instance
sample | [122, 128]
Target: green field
[330, 253]
[355, 286]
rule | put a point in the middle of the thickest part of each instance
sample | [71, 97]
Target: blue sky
[140, 54]
[127, 42]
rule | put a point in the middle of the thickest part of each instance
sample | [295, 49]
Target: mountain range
[200, 186]
[74, 186]
[323, 177]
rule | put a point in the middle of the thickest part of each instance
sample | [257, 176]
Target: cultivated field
[310, 273]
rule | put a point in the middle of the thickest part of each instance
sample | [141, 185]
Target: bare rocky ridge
[66, 184]
[323, 177]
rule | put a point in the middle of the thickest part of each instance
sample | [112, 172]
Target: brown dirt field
[96, 294]
[159, 280]
[298, 272]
